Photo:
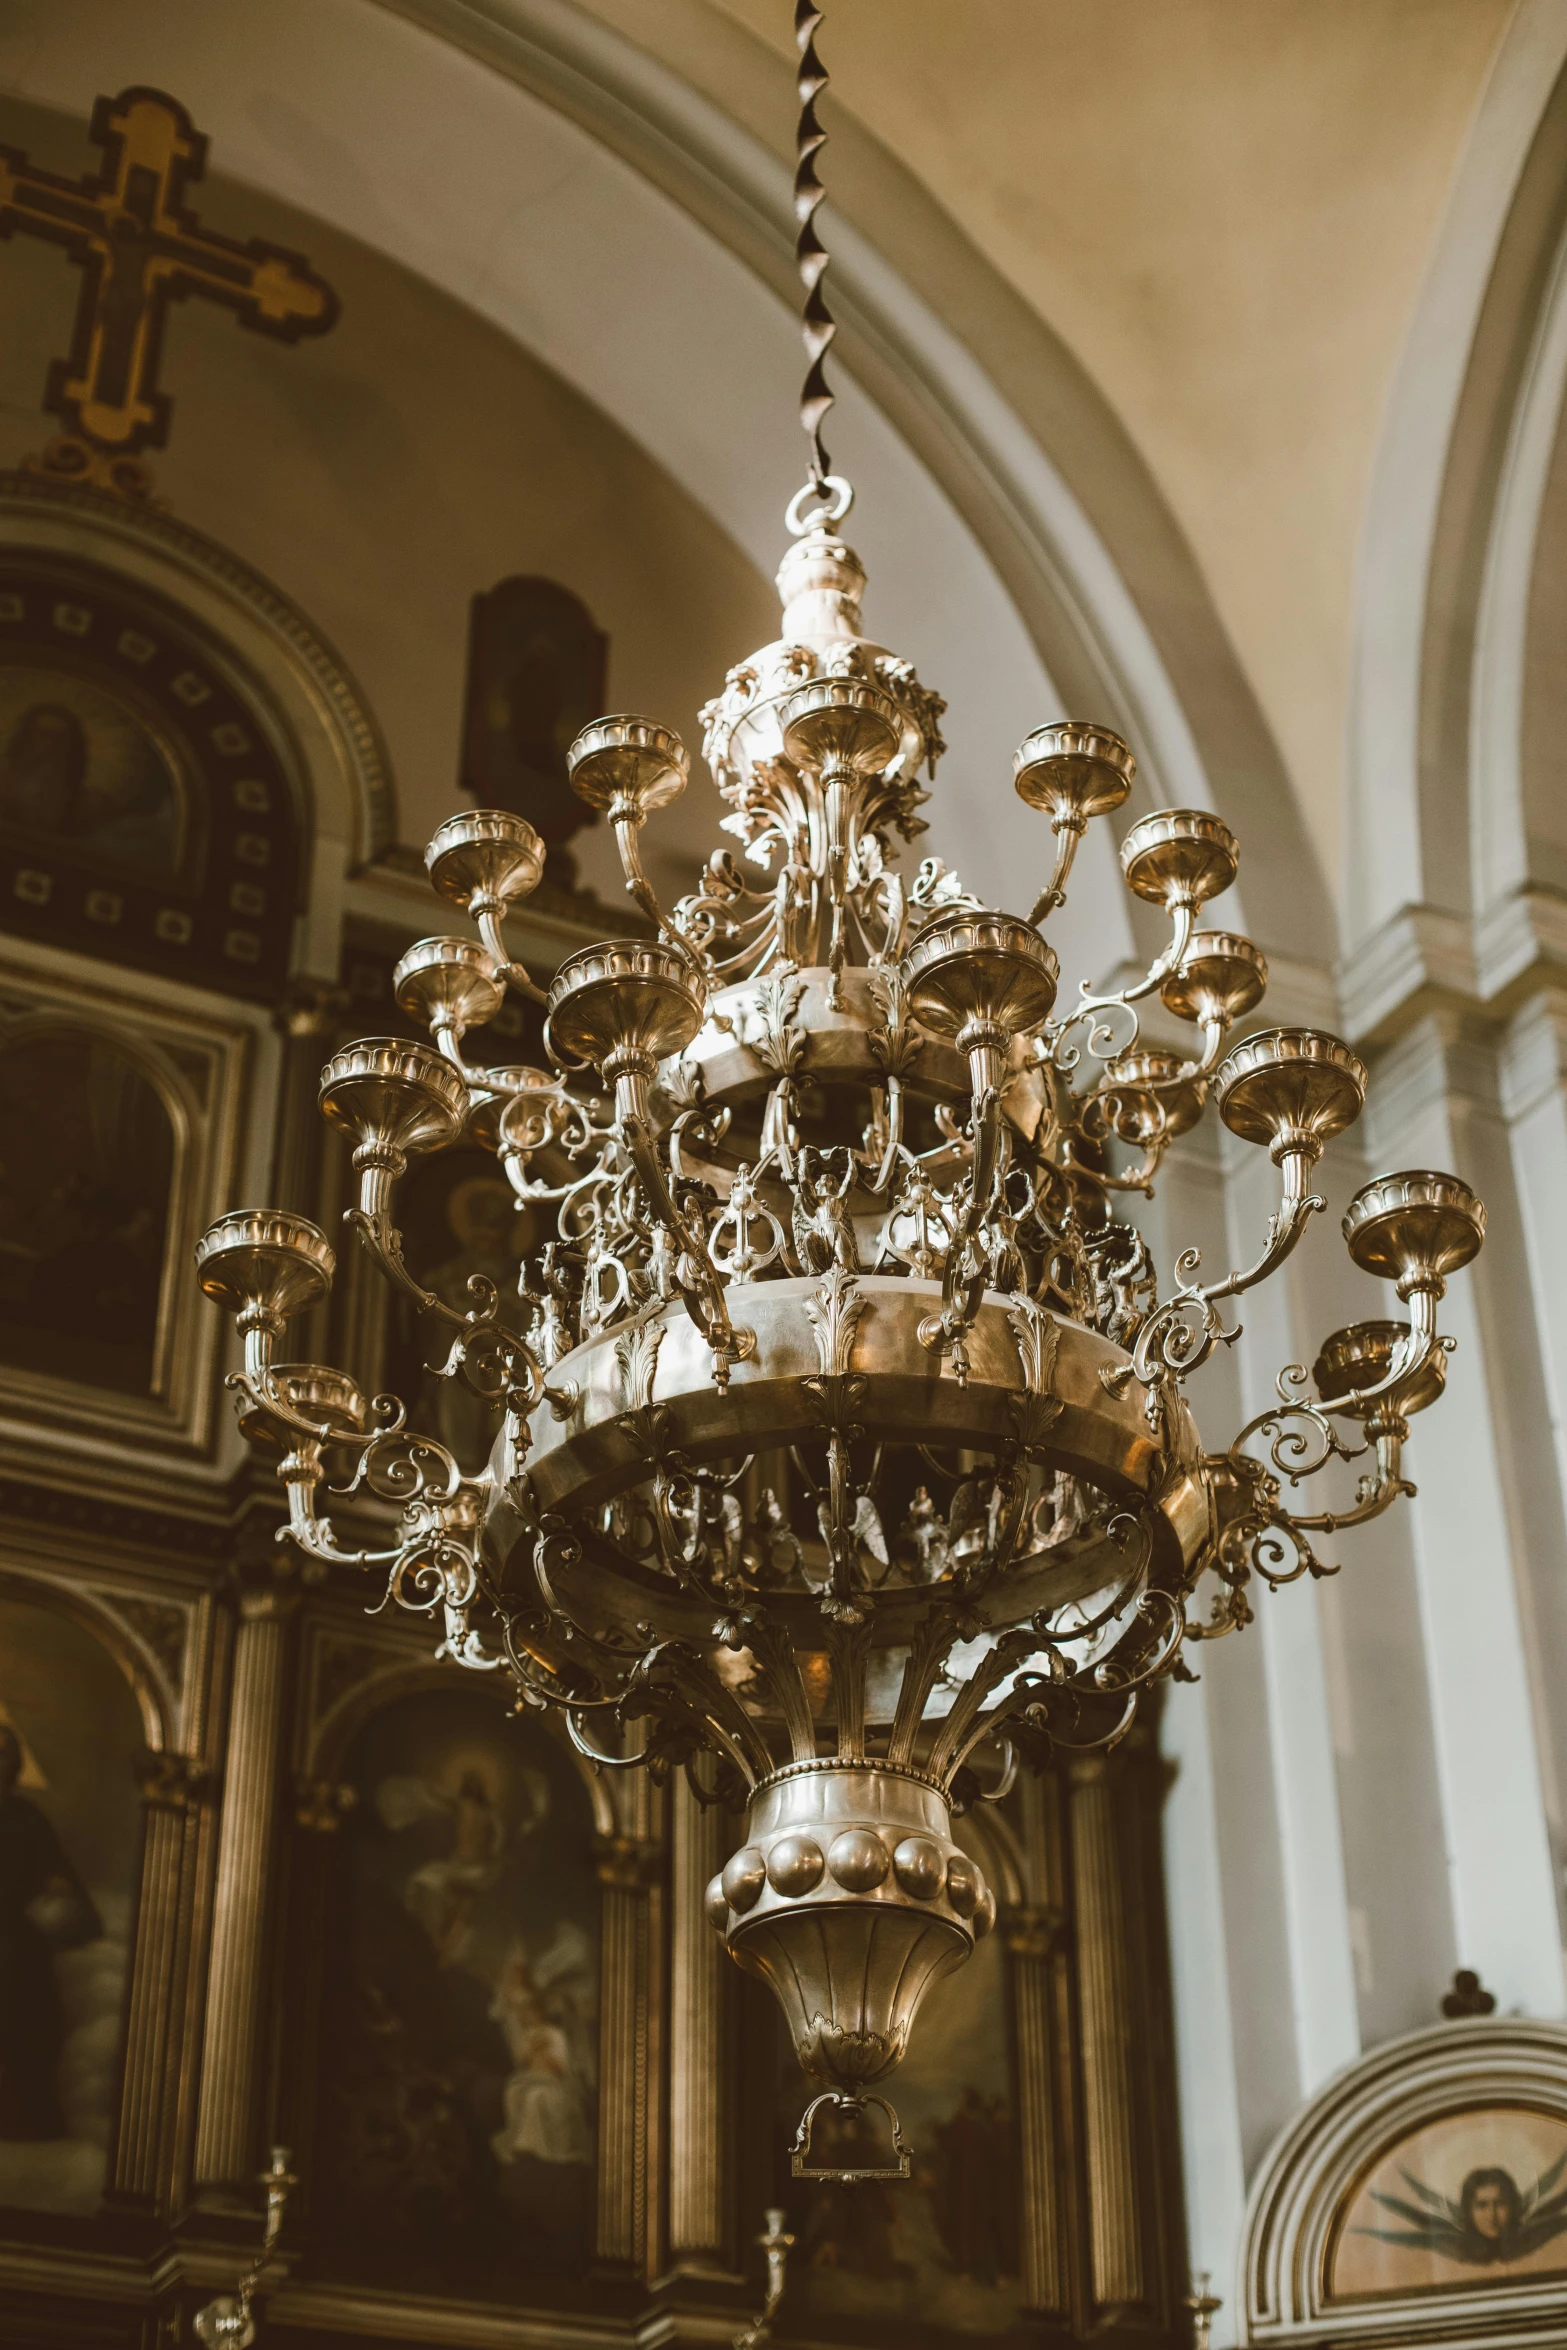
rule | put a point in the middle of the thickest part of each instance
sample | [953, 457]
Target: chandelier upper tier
[844, 1458]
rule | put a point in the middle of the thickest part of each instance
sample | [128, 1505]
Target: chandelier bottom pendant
[844, 1458]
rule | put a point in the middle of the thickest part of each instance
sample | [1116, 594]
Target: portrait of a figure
[460, 2098]
[69, 1734]
[81, 770]
[1480, 2197]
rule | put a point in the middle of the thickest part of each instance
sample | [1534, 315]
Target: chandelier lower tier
[844, 1459]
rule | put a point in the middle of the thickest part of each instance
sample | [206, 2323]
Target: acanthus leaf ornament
[842, 1427]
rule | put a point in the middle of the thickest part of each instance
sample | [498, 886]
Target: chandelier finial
[823, 488]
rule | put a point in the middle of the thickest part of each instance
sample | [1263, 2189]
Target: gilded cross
[139, 247]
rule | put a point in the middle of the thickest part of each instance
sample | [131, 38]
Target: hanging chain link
[817, 324]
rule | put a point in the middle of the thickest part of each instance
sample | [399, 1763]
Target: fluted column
[226, 2145]
[697, 2069]
[171, 1787]
[627, 1867]
[1036, 1960]
[1104, 1993]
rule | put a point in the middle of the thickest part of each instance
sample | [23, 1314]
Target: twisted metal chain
[817, 324]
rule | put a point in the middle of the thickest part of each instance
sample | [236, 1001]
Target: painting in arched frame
[70, 1733]
[458, 2119]
[87, 1175]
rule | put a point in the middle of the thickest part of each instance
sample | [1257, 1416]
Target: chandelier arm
[1184, 922]
[626, 822]
[508, 968]
[596, 1755]
[779, 1666]
[1296, 1207]
[847, 1647]
[702, 1291]
[1009, 1652]
[312, 1532]
[1182, 1331]
[963, 1278]
[701, 1699]
[1069, 830]
[1106, 1738]
[1377, 1494]
[1106, 1680]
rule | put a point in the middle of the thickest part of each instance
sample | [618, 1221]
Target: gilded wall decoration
[146, 812]
[70, 1738]
[458, 2121]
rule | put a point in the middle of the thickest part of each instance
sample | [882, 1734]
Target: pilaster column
[226, 2147]
[1104, 1994]
[172, 1787]
[320, 1807]
[697, 2070]
[1036, 1963]
[1534, 1096]
[628, 1867]
[1488, 1535]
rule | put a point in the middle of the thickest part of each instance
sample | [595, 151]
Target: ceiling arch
[533, 164]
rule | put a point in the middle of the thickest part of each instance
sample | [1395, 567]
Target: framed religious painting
[1421, 2197]
[456, 2120]
[148, 811]
[70, 1840]
[120, 1125]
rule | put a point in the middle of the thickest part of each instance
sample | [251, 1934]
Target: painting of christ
[83, 771]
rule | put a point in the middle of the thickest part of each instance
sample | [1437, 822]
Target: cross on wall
[139, 247]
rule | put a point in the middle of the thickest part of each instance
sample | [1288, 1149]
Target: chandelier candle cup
[393, 1100]
[814, 1179]
[1072, 773]
[1221, 978]
[451, 984]
[264, 1266]
[1414, 1229]
[1152, 1096]
[1360, 1357]
[484, 860]
[318, 1393]
[981, 979]
[1292, 1088]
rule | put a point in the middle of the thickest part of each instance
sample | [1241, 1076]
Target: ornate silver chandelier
[844, 1459]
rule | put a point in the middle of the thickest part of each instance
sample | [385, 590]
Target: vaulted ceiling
[1125, 290]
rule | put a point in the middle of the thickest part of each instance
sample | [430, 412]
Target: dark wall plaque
[536, 670]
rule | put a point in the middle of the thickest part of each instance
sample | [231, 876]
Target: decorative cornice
[1427, 959]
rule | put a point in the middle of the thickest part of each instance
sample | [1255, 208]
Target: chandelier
[844, 1459]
